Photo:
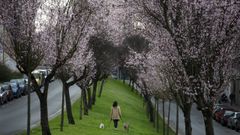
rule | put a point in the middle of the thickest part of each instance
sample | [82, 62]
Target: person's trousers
[115, 123]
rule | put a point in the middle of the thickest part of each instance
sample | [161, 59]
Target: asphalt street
[197, 122]
[13, 115]
[196, 119]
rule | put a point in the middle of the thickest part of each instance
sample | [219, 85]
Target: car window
[228, 112]
[5, 87]
[1, 90]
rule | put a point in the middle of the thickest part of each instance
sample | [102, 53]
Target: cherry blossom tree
[75, 70]
[85, 85]
[18, 36]
[204, 35]
[105, 59]
[135, 43]
[138, 61]
[52, 31]
[64, 39]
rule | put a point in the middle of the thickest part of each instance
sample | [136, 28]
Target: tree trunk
[94, 91]
[132, 85]
[150, 110]
[89, 98]
[101, 88]
[163, 112]
[177, 119]
[62, 112]
[119, 73]
[208, 122]
[44, 116]
[130, 81]
[85, 104]
[169, 114]
[123, 73]
[157, 115]
[81, 107]
[187, 120]
[68, 106]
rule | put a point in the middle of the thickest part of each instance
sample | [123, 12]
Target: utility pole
[28, 98]
[28, 71]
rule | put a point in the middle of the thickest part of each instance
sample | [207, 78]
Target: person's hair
[115, 104]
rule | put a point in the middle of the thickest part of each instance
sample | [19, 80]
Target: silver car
[3, 96]
[232, 121]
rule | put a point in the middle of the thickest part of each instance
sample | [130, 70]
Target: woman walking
[115, 113]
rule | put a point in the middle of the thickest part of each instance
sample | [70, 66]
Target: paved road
[13, 115]
[197, 122]
[196, 118]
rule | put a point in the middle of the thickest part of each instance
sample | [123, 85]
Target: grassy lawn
[132, 110]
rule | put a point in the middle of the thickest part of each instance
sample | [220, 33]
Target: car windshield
[13, 81]
[238, 115]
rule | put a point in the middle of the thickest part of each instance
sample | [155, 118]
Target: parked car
[39, 76]
[26, 84]
[237, 128]
[3, 96]
[21, 84]
[232, 121]
[16, 90]
[217, 108]
[219, 114]
[226, 116]
[6, 87]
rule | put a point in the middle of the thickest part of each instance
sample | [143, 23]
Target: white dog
[126, 126]
[101, 125]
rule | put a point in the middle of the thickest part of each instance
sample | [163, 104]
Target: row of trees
[65, 36]
[182, 50]
[194, 45]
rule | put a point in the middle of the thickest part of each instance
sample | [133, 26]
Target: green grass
[132, 110]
